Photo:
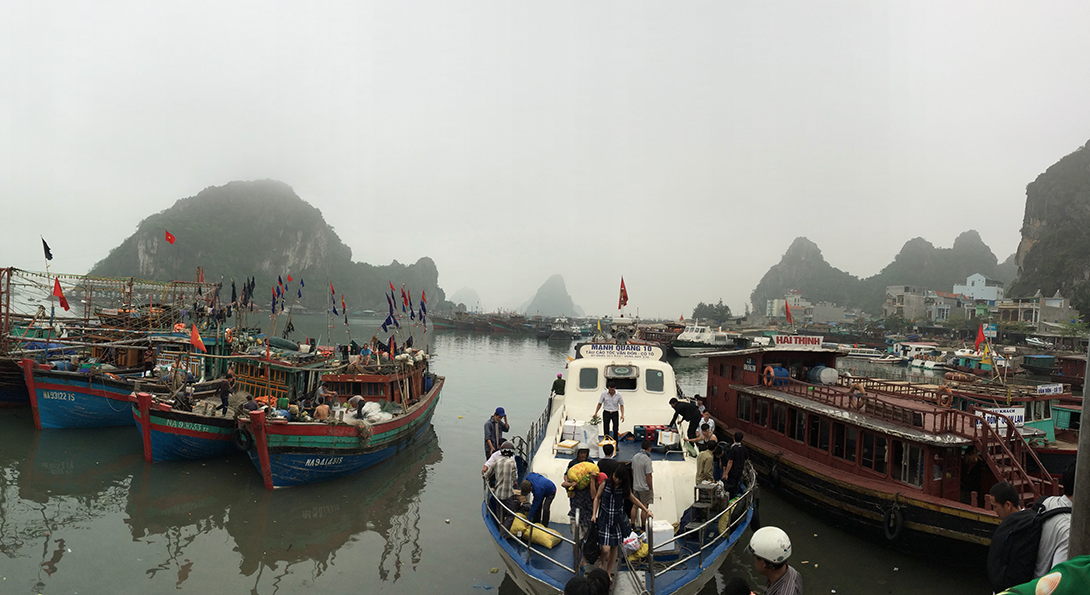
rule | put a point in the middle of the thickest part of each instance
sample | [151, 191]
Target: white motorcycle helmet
[770, 543]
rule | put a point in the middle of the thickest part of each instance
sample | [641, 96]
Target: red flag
[343, 307]
[787, 308]
[289, 278]
[195, 339]
[331, 290]
[681, 318]
[170, 238]
[979, 336]
[404, 298]
[423, 297]
[622, 300]
[60, 294]
[392, 288]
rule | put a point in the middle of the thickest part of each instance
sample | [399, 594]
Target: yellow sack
[542, 536]
[640, 553]
[581, 475]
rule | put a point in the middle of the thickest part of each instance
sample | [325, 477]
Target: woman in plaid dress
[610, 516]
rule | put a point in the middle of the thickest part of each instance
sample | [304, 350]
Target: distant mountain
[262, 229]
[552, 299]
[918, 263]
[467, 297]
[1053, 253]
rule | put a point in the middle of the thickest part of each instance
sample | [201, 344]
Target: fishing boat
[887, 462]
[662, 335]
[1041, 365]
[1070, 369]
[698, 338]
[288, 453]
[442, 323]
[982, 364]
[683, 563]
[560, 330]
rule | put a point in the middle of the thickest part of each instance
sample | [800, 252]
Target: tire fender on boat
[892, 522]
[243, 439]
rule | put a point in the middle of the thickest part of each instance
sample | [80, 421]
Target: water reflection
[279, 530]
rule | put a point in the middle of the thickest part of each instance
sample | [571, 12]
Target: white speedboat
[676, 564]
[698, 339]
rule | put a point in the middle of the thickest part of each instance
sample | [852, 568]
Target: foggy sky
[681, 145]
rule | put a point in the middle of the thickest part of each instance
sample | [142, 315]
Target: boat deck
[537, 565]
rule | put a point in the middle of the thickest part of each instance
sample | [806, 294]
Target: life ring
[858, 396]
[228, 334]
[769, 375]
[892, 523]
[179, 328]
[946, 396]
[243, 439]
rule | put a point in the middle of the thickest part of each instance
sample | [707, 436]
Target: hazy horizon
[683, 146]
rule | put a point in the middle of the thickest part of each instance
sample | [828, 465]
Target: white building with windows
[979, 287]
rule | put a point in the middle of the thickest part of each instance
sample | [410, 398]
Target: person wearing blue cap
[493, 431]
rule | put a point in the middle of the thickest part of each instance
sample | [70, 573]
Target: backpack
[1012, 556]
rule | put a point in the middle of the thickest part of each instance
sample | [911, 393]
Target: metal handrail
[746, 498]
[490, 493]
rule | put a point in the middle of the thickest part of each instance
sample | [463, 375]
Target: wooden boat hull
[170, 435]
[923, 523]
[72, 400]
[13, 392]
[288, 454]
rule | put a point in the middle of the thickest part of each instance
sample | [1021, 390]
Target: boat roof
[860, 419]
[766, 349]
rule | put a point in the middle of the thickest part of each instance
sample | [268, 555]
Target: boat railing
[972, 424]
[700, 532]
[492, 503]
[526, 445]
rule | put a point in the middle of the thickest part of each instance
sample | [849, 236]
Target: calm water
[80, 512]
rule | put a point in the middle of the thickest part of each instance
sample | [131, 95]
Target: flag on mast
[622, 300]
[48, 252]
[195, 339]
[979, 337]
[787, 308]
[60, 294]
[170, 238]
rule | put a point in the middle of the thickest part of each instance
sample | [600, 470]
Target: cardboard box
[570, 427]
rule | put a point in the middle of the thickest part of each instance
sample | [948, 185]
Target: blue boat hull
[71, 400]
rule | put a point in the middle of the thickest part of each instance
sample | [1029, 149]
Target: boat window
[907, 459]
[823, 437]
[745, 407]
[760, 412]
[814, 422]
[796, 424]
[779, 418]
[873, 456]
[1042, 410]
[736, 373]
[654, 381]
[588, 378]
[715, 390]
[844, 438]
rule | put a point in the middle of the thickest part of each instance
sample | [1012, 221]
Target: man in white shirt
[1055, 531]
[611, 405]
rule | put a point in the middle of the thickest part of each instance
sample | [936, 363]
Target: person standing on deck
[687, 412]
[735, 464]
[224, 393]
[493, 431]
[642, 484]
[609, 514]
[558, 386]
[503, 473]
[705, 463]
[771, 547]
[706, 440]
[612, 406]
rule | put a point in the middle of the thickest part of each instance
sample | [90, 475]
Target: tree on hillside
[717, 312]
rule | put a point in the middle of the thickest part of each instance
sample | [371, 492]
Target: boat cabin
[1070, 368]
